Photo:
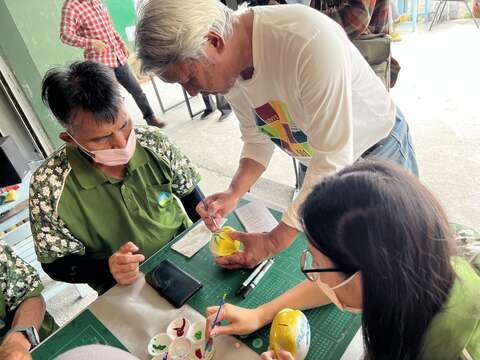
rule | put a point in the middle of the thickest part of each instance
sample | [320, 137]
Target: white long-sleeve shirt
[312, 94]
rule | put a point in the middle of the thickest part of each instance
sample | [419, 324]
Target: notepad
[255, 217]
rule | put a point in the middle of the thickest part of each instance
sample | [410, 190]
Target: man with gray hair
[293, 79]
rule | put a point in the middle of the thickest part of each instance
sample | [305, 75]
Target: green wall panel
[122, 13]
[16, 53]
[30, 44]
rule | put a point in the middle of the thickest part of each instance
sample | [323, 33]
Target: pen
[208, 343]
[211, 217]
[252, 276]
[257, 279]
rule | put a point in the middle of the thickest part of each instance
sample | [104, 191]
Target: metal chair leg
[152, 79]
[471, 13]
[439, 5]
[442, 10]
[186, 100]
[434, 16]
[189, 107]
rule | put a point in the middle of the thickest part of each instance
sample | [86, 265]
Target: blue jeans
[396, 147]
[128, 80]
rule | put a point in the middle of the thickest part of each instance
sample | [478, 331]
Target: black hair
[263, 2]
[377, 218]
[85, 85]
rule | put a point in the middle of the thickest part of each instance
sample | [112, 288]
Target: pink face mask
[330, 292]
[112, 157]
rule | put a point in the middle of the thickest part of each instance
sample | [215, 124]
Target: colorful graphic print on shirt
[274, 120]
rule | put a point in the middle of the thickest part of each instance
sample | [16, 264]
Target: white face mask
[330, 292]
[112, 157]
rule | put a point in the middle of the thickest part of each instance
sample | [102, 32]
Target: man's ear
[65, 136]
[215, 42]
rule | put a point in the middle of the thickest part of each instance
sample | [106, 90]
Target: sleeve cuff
[261, 153]
[48, 258]
[37, 291]
[195, 181]
[291, 217]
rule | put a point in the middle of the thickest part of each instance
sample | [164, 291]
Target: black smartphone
[172, 283]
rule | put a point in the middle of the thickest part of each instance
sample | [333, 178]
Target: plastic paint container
[182, 341]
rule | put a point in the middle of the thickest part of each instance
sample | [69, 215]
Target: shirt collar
[89, 176]
[138, 159]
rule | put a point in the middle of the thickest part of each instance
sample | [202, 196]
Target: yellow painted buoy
[221, 244]
[290, 331]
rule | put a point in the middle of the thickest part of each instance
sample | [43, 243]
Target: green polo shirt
[456, 328]
[92, 214]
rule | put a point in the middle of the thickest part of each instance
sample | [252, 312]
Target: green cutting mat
[85, 329]
[331, 329]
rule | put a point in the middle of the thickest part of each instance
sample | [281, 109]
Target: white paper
[194, 240]
[255, 217]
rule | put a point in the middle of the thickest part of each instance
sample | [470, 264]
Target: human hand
[219, 205]
[256, 248]
[99, 45]
[124, 264]
[15, 347]
[282, 355]
[242, 321]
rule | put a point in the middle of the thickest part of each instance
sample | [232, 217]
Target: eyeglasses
[308, 269]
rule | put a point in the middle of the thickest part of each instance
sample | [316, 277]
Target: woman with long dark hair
[388, 246]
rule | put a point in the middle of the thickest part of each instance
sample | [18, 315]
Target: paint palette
[181, 341]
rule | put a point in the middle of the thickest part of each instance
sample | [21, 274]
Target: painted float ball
[290, 331]
[221, 244]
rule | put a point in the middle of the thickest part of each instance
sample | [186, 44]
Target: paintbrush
[211, 217]
[210, 341]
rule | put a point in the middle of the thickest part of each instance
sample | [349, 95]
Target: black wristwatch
[29, 332]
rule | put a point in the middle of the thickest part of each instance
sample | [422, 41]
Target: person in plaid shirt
[359, 17]
[86, 24]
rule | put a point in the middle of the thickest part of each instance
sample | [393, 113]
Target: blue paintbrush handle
[209, 342]
[218, 313]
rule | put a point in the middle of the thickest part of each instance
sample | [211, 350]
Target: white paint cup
[178, 328]
[196, 333]
[180, 349]
[159, 344]
[200, 354]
